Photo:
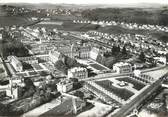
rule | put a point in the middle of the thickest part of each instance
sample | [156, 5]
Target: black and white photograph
[83, 58]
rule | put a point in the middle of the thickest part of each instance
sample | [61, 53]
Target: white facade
[122, 67]
[17, 65]
[161, 59]
[77, 72]
[29, 60]
[0, 36]
[137, 73]
[13, 92]
[54, 56]
[94, 53]
[64, 86]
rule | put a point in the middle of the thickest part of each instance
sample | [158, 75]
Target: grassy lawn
[97, 66]
[107, 98]
[13, 20]
[1, 70]
[123, 93]
[37, 67]
[137, 85]
[27, 66]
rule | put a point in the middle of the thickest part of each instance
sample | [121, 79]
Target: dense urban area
[63, 60]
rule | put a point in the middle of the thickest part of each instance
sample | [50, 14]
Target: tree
[142, 57]
[79, 94]
[29, 88]
[124, 51]
[70, 62]
[61, 66]
[118, 49]
[114, 50]
[166, 57]
[64, 66]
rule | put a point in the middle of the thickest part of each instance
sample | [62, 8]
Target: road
[114, 75]
[136, 101]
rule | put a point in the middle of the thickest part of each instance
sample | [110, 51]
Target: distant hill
[86, 6]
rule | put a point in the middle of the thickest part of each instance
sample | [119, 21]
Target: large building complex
[17, 65]
[82, 52]
[29, 60]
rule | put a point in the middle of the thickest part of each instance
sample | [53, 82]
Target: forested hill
[129, 15]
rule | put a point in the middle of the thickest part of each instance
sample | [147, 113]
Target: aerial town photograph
[83, 58]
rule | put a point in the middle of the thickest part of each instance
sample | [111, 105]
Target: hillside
[129, 15]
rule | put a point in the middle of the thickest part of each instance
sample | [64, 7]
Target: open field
[13, 20]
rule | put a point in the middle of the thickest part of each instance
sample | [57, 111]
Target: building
[0, 36]
[44, 57]
[34, 18]
[84, 52]
[17, 65]
[70, 51]
[137, 73]
[74, 51]
[55, 56]
[13, 91]
[29, 60]
[122, 67]
[3, 72]
[65, 86]
[77, 72]
[94, 53]
[161, 60]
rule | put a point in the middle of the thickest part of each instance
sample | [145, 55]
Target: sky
[87, 1]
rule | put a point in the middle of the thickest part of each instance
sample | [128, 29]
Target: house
[77, 72]
[55, 56]
[65, 86]
[122, 67]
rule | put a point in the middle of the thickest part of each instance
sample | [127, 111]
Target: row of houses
[133, 43]
[126, 25]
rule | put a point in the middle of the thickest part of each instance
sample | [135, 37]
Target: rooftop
[77, 69]
[120, 64]
[158, 73]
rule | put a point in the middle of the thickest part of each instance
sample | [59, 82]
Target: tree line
[10, 46]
